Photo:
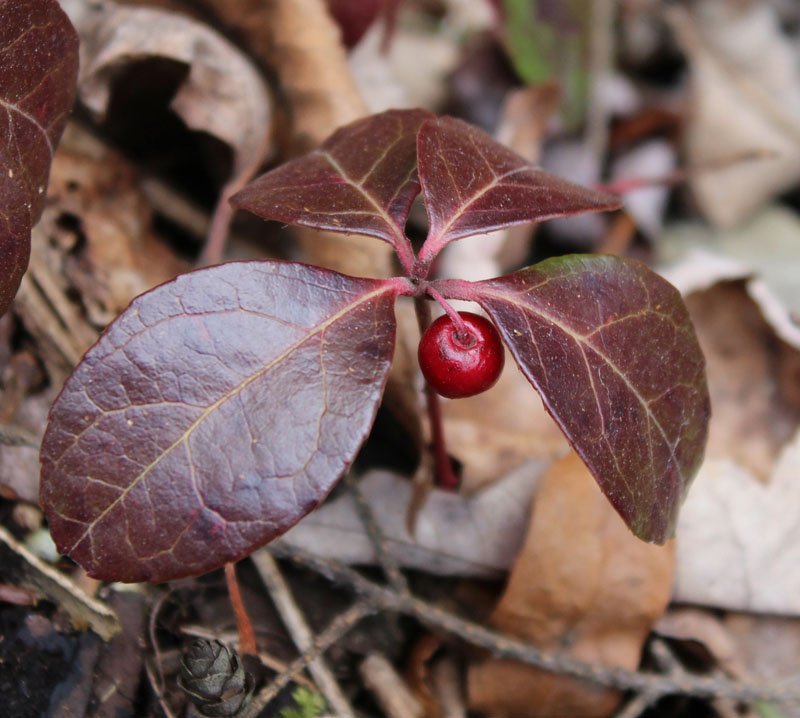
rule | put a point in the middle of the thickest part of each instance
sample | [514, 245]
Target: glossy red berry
[457, 366]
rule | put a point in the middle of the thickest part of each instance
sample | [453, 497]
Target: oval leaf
[362, 180]
[474, 185]
[212, 415]
[609, 346]
[38, 74]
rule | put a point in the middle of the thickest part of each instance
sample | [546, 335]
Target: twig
[244, 626]
[389, 688]
[151, 627]
[300, 632]
[384, 556]
[338, 628]
[45, 580]
[14, 436]
[506, 647]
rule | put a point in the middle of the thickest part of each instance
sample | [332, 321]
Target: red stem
[445, 476]
[247, 636]
[461, 327]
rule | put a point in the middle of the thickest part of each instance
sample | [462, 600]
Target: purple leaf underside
[472, 185]
[362, 180]
[38, 76]
[609, 346]
[212, 415]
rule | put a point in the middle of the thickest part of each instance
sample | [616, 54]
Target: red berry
[458, 366]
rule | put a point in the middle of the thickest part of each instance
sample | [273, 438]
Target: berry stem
[445, 476]
[461, 327]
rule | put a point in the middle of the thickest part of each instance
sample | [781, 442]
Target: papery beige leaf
[584, 585]
[764, 250]
[745, 97]
[453, 534]
[739, 539]
[223, 94]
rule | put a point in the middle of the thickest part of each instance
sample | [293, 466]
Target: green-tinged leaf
[609, 346]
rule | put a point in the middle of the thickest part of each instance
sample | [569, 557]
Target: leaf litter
[751, 462]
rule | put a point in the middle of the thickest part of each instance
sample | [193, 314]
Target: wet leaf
[212, 415]
[38, 72]
[617, 364]
[363, 180]
[473, 185]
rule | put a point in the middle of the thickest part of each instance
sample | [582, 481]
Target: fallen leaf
[745, 96]
[223, 93]
[453, 534]
[754, 413]
[765, 246]
[582, 584]
[739, 539]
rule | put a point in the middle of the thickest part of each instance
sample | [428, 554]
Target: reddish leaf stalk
[247, 636]
[463, 332]
[445, 476]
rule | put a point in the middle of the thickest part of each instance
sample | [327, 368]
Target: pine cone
[214, 679]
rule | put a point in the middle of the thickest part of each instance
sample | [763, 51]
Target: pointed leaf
[362, 180]
[212, 415]
[38, 74]
[474, 185]
[609, 346]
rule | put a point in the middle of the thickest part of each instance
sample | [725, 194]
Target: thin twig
[338, 628]
[383, 554]
[14, 436]
[300, 632]
[506, 647]
[244, 626]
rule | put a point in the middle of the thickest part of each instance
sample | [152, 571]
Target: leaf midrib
[228, 395]
[581, 340]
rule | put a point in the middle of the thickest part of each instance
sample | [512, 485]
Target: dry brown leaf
[764, 249]
[582, 584]
[739, 539]
[745, 97]
[454, 534]
[494, 432]
[753, 414]
[223, 93]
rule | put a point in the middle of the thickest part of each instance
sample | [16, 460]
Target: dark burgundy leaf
[362, 180]
[38, 76]
[212, 415]
[355, 16]
[474, 185]
[609, 346]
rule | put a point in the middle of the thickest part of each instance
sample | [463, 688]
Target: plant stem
[247, 637]
[461, 327]
[445, 476]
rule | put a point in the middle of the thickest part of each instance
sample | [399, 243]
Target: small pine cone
[214, 679]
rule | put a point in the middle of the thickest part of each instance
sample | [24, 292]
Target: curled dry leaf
[453, 534]
[582, 584]
[762, 250]
[738, 538]
[745, 82]
[223, 94]
[150, 474]
[38, 70]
